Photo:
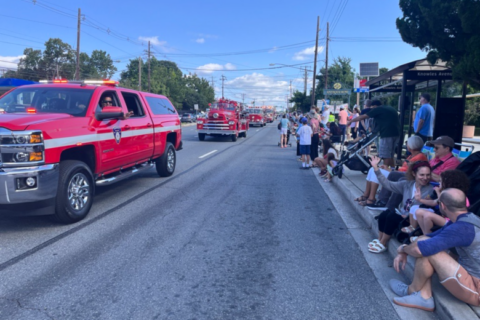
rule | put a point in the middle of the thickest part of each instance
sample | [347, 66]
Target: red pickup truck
[58, 140]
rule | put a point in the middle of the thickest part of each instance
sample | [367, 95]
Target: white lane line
[207, 154]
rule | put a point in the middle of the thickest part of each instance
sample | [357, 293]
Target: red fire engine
[225, 117]
[59, 140]
[256, 115]
[269, 113]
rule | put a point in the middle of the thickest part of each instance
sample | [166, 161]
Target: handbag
[280, 125]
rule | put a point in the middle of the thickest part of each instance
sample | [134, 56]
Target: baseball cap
[304, 120]
[445, 140]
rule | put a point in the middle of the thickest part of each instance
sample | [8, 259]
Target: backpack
[280, 125]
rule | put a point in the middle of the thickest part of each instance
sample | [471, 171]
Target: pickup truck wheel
[234, 137]
[201, 136]
[245, 134]
[75, 191]
[166, 163]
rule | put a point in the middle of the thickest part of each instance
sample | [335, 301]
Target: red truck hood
[21, 121]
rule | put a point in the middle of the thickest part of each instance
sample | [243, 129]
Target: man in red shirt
[342, 121]
[444, 159]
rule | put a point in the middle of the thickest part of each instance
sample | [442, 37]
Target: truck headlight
[231, 123]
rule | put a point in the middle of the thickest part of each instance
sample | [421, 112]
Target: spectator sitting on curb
[418, 176]
[460, 277]
[332, 162]
[414, 146]
[426, 217]
[322, 162]
[444, 160]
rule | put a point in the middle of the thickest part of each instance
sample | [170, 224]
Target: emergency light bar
[106, 82]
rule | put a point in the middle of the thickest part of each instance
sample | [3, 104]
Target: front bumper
[213, 131]
[33, 199]
[254, 123]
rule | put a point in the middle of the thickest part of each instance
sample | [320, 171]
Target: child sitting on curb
[331, 164]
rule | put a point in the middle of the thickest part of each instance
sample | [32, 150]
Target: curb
[447, 306]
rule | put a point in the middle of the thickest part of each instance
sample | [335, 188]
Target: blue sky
[239, 39]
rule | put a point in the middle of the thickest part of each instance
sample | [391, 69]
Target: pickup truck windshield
[255, 111]
[222, 105]
[47, 100]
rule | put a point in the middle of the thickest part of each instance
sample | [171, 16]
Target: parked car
[188, 117]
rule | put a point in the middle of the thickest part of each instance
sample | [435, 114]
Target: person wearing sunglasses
[444, 159]
[107, 101]
[423, 124]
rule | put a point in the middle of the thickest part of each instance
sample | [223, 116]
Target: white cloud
[200, 40]
[262, 88]
[211, 67]
[273, 50]
[153, 40]
[9, 62]
[305, 53]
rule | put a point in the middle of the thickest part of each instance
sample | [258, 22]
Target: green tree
[301, 100]
[198, 91]
[30, 67]
[102, 63]
[446, 30]
[58, 59]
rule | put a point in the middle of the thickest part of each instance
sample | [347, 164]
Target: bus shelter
[408, 81]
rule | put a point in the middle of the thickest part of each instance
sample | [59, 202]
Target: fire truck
[60, 139]
[269, 113]
[225, 117]
[256, 115]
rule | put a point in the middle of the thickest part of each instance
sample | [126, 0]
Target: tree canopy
[167, 79]
[446, 30]
[58, 59]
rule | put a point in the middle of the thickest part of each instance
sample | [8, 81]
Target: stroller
[352, 158]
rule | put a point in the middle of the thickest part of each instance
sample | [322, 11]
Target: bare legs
[321, 163]
[426, 220]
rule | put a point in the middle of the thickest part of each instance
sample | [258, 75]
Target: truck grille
[215, 125]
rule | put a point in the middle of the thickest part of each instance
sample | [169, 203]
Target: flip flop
[373, 243]
[408, 229]
[377, 248]
[361, 198]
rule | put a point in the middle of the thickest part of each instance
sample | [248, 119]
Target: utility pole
[305, 86]
[139, 73]
[223, 80]
[290, 89]
[149, 66]
[243, 97]
[326, 59]
[77, 68]
[315, 63]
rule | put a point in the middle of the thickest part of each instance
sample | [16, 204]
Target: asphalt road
[240, 233]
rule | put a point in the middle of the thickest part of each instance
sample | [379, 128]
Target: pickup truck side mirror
[110, 113]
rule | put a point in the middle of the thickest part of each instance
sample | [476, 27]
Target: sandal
[377, 248]
[373, 243]
[361, 198]
[408, 229]
[366, 202]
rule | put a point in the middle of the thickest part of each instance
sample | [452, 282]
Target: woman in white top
[322, 162]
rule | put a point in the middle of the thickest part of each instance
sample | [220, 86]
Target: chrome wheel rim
[78, 191]
[170, 160]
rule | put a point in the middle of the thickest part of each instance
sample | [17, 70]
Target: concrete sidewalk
[352, 186]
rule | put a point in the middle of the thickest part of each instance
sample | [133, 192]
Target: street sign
[336, 102]
[195, 106]
[335, 92]
[369, 69]
[364, 89]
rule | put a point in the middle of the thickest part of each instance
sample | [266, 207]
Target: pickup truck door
[137, 129]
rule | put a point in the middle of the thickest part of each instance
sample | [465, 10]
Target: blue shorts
[304, 149]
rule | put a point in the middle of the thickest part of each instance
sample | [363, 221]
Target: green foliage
[446, 30]
[59, 59]
[472, 112]
[301, 100]
[167, 79]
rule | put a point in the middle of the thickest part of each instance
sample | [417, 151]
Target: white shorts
[284, 131]
[372, 177]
